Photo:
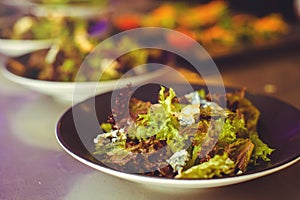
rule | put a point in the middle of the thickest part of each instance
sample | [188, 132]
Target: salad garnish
[187, 137]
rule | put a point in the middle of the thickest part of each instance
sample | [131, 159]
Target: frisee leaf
[230, 129]
[106, 127]
[160, 121]
[217, 166]
[166, 101]
[261, 150]
[240, 152]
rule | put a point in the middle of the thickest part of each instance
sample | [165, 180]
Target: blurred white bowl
[68, 10]
[14, 48]
[37, 8]
[74, 92]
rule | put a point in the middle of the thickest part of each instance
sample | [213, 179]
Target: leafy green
[201, 93]
[230, 129]
[245, 107]
[227, 133]
[202, 140]
[251, 115]
[200, 136]
[160, 122]
[155, 122]
[261, 150]
[240, 152]
[106, 127]
[217, 166]
[68, 66]
[167, 101]
[194, 153]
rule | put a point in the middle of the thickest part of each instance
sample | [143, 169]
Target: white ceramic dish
[70, 10]
[76, 134]
[72, 92]
[14, 48]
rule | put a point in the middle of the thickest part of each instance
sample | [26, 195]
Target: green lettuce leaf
[199, 137]
[106, 127]
[160, 122]
[261, 150]
[234, 124]
[218, 166]
[167, 100]
[245, 107]
[194, 152]
[240, 152]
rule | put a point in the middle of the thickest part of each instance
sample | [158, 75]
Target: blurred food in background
[74, 38]
[30, 31]
[217, 25]
[30, 27]
[79, 8]
[214, 24]
[78, 2]
[62, 62]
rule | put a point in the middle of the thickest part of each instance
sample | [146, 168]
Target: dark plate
[279, 127]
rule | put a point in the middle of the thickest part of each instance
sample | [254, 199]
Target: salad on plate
[188, 137]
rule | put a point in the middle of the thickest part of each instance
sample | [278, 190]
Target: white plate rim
[15, 47]
[47, 84]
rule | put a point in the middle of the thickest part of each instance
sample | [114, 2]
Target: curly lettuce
[217, 166]
[197, 139]
[261, 150]
[160, 122]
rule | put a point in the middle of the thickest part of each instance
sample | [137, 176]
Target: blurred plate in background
[14, 48]
[72, 92]
[83, 9]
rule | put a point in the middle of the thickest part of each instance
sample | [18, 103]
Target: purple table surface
[33, 166]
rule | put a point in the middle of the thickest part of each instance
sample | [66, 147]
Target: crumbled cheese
[178, 160]
[214, 106]
[96, 140]
[193, 98]
[239, 172]
[114, 135]
[187, 114]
